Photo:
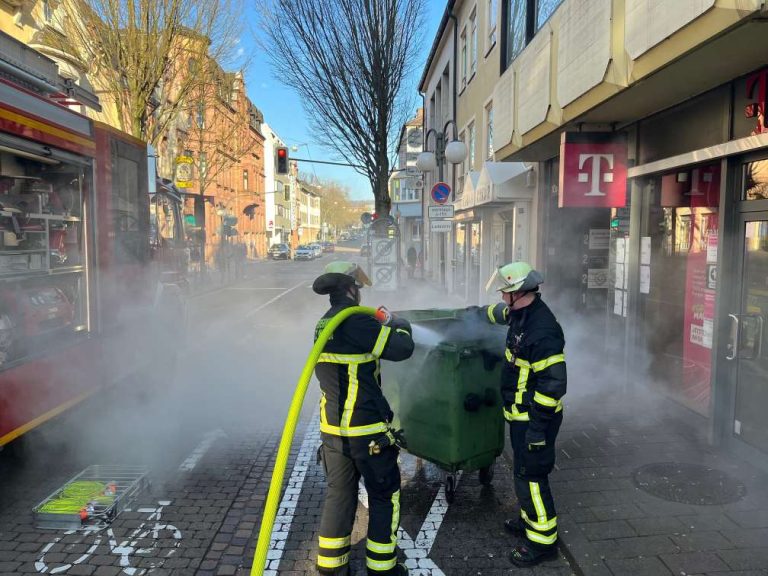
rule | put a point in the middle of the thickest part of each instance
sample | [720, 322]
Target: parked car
[365, 250]
[279, 252]
[304, 252]
[328, 247]
[317, 248]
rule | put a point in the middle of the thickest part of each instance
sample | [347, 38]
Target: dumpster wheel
[486, 474]
[450, 488]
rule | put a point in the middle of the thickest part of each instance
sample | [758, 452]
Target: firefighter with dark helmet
[533, 384]
[357, 440]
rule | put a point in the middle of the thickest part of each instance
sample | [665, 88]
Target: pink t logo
[595, 176]
[759, 80]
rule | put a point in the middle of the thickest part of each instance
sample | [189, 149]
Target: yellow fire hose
[276, 484]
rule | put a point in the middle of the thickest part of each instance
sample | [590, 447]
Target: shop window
[756, 180]
[678, 260]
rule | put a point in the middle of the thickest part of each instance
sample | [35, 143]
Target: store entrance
[746, 348]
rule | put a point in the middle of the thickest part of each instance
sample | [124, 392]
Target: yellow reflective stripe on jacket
[520, 363]
[381, 341]
[346, 358]
[489, 311]
[546, 400]
[540, 526]
[547, 362]
[335, 543]
[508, 355]
[380, 565]
[349, 403]
[333, 561]
[323, 402]
[353, 431]
[380, 548]
[515, 415]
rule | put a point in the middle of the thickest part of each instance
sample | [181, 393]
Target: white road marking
[205, 444]
[417, 551]
[275, 299]
[287, 508]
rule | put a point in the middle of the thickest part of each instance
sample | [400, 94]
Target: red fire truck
[89, 266]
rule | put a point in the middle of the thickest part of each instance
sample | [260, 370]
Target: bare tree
[349, 61]
[144, 54]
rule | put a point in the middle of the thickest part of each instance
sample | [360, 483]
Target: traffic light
[282, 160]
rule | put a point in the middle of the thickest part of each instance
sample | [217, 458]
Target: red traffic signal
[282, 160]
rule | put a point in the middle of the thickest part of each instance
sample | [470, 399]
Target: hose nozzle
[383, 315]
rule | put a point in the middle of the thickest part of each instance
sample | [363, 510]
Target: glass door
[746, 346]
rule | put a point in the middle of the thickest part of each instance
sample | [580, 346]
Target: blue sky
[284, 113]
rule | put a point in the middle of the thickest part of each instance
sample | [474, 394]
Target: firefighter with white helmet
[533, 385]
[355, 427]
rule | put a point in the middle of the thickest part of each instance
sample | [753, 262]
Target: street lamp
[454, 151]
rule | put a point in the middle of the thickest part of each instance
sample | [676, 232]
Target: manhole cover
[688, 483]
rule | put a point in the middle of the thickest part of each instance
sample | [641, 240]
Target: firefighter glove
[400, 323]
[535, 440]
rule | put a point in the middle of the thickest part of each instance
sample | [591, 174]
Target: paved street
[208, 438]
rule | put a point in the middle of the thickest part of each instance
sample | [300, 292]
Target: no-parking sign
[441, 192]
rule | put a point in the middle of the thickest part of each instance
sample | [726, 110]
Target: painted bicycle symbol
[141, 543]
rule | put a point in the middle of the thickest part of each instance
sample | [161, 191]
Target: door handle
[733, 346]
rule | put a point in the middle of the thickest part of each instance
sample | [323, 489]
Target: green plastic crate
[446, 397]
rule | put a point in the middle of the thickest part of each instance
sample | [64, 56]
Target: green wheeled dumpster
[446, 397]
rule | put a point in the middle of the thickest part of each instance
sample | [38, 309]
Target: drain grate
[688, 483]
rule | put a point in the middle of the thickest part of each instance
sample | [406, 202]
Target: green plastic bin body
[446, 397]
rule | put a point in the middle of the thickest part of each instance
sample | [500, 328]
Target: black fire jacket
[352, 403]
[533, 379]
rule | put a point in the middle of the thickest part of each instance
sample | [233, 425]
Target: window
[473, 26]
[203, 165]
[201, 115]
[464, 58]
[516, 36]
[471, 131]
[245, 180]
[462, 168]
[493, 6]
[489, 130]
[545, 9]
[47, 11]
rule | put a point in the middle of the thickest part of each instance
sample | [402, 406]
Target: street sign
[412, 172]
[441, 192]
[441, 225]
[445, 211]
[183, 175]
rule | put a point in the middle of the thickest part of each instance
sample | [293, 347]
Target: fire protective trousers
[345, 460]
[537, 508]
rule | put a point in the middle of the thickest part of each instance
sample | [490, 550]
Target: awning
[467, 198]
[502, 182]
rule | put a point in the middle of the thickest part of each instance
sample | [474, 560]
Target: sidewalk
[710, 512]
[638, 488]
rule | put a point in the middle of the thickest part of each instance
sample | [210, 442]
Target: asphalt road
[207, 435]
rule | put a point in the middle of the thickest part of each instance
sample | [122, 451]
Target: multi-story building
[308, 212]
[644, 127]
[407, 185]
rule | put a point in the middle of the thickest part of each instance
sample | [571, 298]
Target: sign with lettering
[593, 170]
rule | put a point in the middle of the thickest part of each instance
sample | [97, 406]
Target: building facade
[407, 186]
[639, 132]
[277, 196]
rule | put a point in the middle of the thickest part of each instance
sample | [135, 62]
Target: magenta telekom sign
[593, 170]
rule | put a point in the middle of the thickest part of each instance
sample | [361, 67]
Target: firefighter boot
[526, 556]
[341, 571]
[515, 527]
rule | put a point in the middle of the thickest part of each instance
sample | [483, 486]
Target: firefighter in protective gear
[533, 385]
[355, 427]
